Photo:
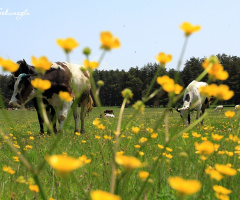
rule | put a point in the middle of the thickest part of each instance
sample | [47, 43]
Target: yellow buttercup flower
[8, 65]
[41, 84]
[225, 170]
[34, 188]
[221, 92]
[168, 84]
[162, 58]
[129, 162]
[109, 41]
[229, 114]
[185, 135]
[143, 140]
[184, 187]
[67, 44]
[188, 28]
[143, 175]
[84, 159]
[139, 106]
[8, 170]
[90, 64]
[65, 96]
[135, 129]
[137, 146]
[205, 148]
[215, 69]
[127, 93]
[216, 137]
[154, 135]
[221, 192]
[42, 64]
[214, 174]
[196, 135]
[63, 164]
[100, 195]
[96, 122]
[160, 146]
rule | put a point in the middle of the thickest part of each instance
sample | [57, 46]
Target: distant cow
[108, 111]
[193, 100]
[219, 108]
[237, 107]
[61, 75]
[28, 69]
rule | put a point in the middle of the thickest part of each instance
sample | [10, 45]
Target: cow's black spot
[187, 98]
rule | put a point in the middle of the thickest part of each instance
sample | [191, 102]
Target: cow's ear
[24, 61]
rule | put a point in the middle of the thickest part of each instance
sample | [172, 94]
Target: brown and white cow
[63, 77]
[193, 100]
[28, 69]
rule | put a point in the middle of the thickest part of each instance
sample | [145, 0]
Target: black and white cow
[25, 68]
[62, 76]
[193, 100]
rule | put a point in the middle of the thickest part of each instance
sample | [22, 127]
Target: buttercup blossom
[34, 188]
[8, 65]
[229, 114]
[8, 169]
[168, 84]
[67, 44]
[188, 28]
[90, 64]
[216, 137]
[42, 64]
[162, 58]
[184, 187]
[205, 148]
[215, 69]
[109, 41]
[143, 175]
[221, 92]
[41, 84]
[63, 164]
[139, 106]
[225, 170]
[213, 174]
[221, 192]
[135, 129]
[100, 195]
[129, 162]
[65, 96]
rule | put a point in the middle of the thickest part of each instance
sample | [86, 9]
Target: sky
[144, 27]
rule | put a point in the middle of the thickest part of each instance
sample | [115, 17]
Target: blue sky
[144, 28]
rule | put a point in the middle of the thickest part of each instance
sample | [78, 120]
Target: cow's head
[23, 68]
[185, 110]
[23, 90]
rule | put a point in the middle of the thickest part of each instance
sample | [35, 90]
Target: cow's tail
[90, 103]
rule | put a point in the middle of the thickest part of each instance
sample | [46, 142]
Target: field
[21, 128]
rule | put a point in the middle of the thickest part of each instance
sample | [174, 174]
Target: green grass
[97, 175]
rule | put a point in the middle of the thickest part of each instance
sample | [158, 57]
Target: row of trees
[139, 79]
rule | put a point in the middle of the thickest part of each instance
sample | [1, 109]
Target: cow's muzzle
[14, 104]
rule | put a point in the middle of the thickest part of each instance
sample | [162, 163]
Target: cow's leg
[189, 118]
[40, 119]
[63, 113]
[52, 118]
[83, 113]
[76, 118]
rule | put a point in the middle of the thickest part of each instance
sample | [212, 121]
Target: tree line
[138, 80]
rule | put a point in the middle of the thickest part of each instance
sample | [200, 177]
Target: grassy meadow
[21, 128]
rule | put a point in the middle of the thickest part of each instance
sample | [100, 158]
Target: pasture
[180, 159]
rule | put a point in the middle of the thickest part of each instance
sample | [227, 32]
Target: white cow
[193, 100]
[219, 108]
[237, 107]
[109, 115]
